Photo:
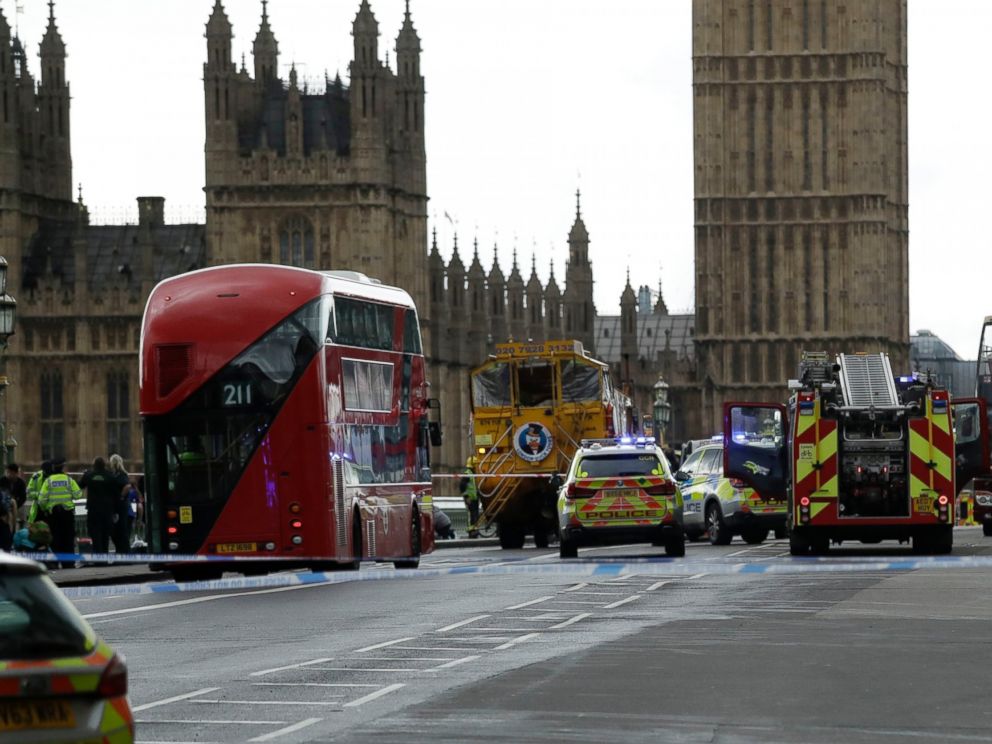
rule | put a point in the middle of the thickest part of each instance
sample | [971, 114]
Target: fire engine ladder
[867, 380]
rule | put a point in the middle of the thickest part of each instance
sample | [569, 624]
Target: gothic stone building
[323, 176]
[801, 196]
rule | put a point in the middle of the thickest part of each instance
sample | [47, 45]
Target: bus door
[754, 446]
[971, 440]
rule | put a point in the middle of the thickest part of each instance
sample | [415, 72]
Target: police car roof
[11, 564]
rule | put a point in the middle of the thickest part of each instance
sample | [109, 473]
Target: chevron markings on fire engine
[597, 569]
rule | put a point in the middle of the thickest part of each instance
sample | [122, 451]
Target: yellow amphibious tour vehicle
[532, 404]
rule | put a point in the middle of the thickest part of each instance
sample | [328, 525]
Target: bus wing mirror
[434, 421]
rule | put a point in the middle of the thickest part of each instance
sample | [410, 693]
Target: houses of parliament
[800, 146]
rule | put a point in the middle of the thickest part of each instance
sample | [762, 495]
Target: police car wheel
[717, 528]
[754, 536]
[987, 529]
[675, 548]
[567, 549]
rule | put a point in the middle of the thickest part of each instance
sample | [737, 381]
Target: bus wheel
[356, 544]
[414, 561]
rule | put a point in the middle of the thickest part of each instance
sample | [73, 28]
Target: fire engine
[859, 454]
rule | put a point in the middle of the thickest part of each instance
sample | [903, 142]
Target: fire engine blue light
[626, 440]
[906, 378]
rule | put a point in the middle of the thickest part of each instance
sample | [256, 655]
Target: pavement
[135, 573]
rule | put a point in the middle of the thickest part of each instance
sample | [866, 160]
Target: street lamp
[662, 409]
[8, 312]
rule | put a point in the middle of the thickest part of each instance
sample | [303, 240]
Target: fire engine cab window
[619, 466]
[756, 427]
[579, 382]
[535, 384]
[966, 428]
[491, 387]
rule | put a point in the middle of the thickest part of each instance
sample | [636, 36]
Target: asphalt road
[860, 655]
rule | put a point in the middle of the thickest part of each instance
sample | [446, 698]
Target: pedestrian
[135, 515]
[102, 496]
[34, 488]
[442, 525]
[470, 494]
[121, 532]
[8, 515]
[57, 503]
[35, 537]
[19, 490]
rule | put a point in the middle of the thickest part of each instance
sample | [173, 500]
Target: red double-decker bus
[285, 414]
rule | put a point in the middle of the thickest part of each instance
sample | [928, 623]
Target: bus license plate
[237, 547]
[36, 714]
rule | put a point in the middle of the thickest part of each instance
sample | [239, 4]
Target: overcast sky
[526, 101]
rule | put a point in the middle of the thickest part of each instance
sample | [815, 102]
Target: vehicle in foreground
[532, 403]
[58, 681]
[722, 507]
[867, 457]
[620, 491]
[285, 415]
[982, 488]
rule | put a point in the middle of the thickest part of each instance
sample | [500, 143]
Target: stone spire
[265, 49]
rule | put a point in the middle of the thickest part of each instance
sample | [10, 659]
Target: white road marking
[174, 699]
[515, 641]
[577, 601]
[528, 604]
[263, 702]
[357, 669]
[383, 645]
[657, 585]
[446, 628]
[290, 666]
[310, 684]
[696, 576]
[288, 730]
[433, 648]
[621, 602]
[373, 695]
[571, 620]
[148, 721]
[196, 600]
[576, 587]
[393, 658]
[453, 663]
[741, 552]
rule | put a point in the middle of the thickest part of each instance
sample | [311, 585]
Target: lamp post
[8, 310]
[662, 409]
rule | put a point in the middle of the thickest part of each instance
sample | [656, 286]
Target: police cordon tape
[577, 568]
[160, 558]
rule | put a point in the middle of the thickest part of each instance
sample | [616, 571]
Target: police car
[620, 491]
[59, 682]
[723, 507]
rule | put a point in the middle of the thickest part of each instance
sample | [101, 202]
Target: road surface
[870, 653]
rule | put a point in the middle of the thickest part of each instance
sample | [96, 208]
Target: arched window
[296, 243]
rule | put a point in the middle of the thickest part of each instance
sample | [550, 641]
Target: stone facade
[801, 188]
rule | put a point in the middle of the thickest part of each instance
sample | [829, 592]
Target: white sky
[527, 99]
